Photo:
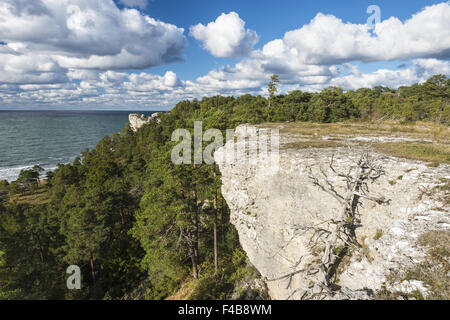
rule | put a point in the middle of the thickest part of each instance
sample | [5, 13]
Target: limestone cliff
[269, 205]
[138, 120]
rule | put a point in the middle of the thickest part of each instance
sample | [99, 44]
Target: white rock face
[268, 206]
[138, 120]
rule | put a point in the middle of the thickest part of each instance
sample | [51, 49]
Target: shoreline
[60, 142]
[18, 169]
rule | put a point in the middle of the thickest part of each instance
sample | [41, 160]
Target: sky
[151, 54]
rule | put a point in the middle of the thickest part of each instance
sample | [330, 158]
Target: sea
[47, 138]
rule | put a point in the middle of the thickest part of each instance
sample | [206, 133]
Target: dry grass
[312, 144]
[424, 130]
[40, 196]
[433, 153]
[433, 145]
[378, 234]
[365, 250]
[184, 293]
[385, 294]
[443, 191]
[435, 271]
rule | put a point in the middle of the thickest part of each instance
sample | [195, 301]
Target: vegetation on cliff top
[125, 213]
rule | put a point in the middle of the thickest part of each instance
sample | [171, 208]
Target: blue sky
[139, 54]
[270, 19]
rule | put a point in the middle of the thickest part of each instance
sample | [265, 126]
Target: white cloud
[114, 89]
[21, 69]
[152, 83]
[89, 34]
[226, 37]
[430, 67]
[420, 71]
[327, 40]
[82, 74]
[310, 57]
[57, 54]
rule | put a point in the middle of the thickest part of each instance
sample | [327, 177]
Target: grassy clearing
[37, 197]
[312, 135]
[435, 154]
[424, 130]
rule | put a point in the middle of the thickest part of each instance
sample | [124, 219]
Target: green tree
[437, 88]
[273, 88]
[28, 180]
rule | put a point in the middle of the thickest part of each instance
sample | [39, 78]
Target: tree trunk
[195, 229]
[195, 236]
[92, 268]
[194, 262]
[41, 252]
[222, 222]
[122, 217]
[216, 262]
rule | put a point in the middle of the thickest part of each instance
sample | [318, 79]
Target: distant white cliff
[138, 120]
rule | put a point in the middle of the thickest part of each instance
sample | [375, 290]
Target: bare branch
[364, 170]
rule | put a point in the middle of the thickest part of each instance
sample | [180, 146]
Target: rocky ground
[272, 209]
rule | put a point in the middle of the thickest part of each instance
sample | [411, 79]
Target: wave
[12, 173]
[51, 137]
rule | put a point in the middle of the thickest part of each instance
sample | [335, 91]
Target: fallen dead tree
[336, 235]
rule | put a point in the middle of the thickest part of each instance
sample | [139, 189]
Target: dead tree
[187, 239]
[339, 230]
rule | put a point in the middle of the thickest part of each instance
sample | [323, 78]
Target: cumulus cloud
[21, 69]
[79, 52]
[328, 40]
[226, 37]
[112, 88]
[420, 71]
[318, 54]
[145, 82]
[89, 34]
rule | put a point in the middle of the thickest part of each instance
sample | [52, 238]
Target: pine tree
[272, 88]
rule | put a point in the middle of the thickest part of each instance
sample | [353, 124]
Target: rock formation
[138, 120]
[271, 207]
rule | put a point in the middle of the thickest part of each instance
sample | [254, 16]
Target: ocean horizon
[49, 137]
